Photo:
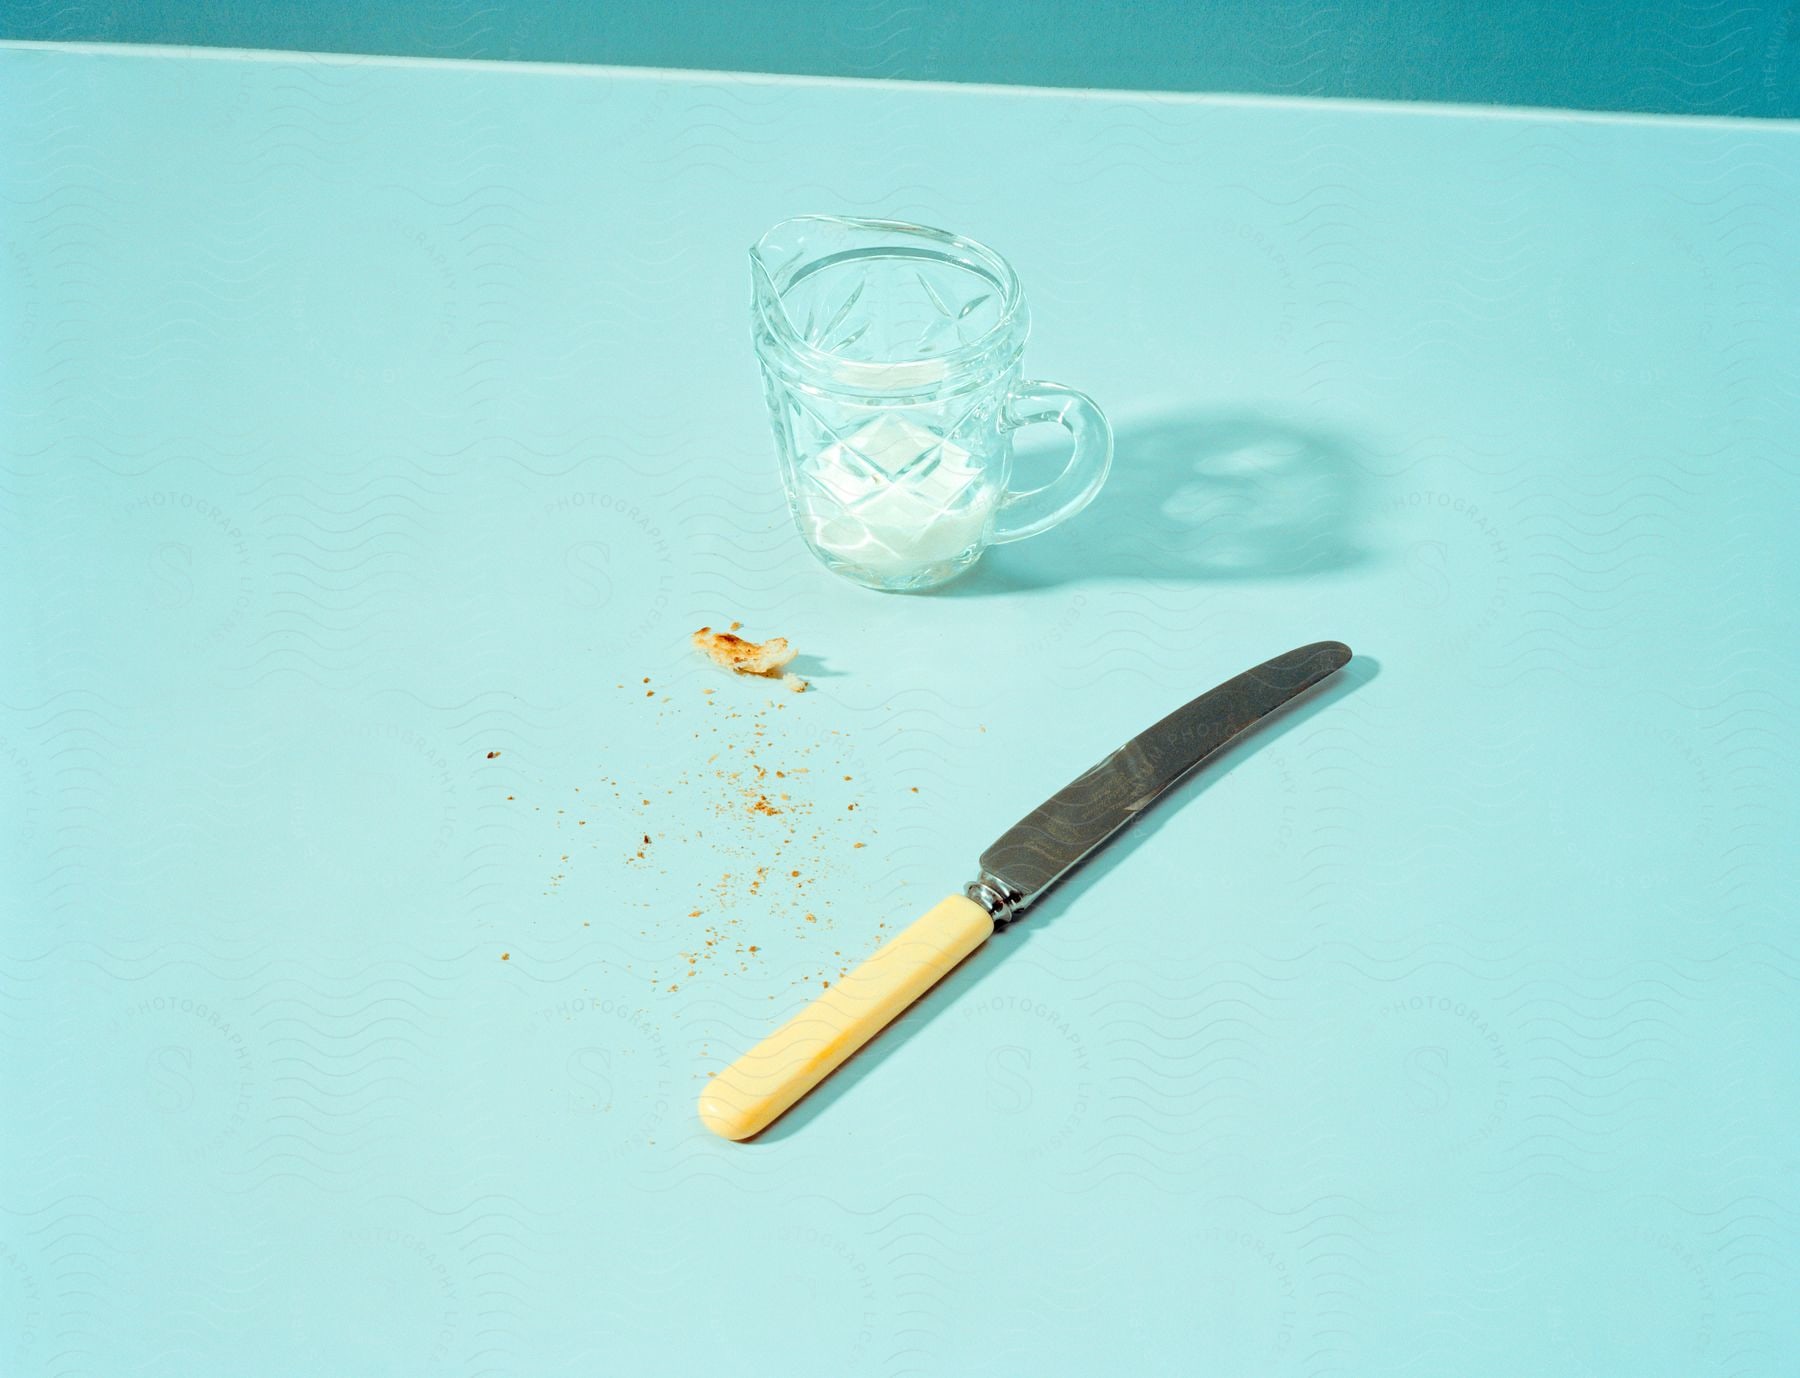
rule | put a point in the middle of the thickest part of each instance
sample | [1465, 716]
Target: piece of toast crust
[767, 659]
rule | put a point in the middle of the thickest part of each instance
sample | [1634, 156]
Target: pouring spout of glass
[881, 306]
[773, 259]
[791, 253]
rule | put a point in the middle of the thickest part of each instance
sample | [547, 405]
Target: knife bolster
[1000, 900]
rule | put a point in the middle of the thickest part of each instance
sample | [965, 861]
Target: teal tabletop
[383, 873]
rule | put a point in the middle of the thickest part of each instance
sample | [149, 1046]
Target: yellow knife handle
[751, 1093]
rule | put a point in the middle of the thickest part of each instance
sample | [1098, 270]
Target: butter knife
[1026, 860]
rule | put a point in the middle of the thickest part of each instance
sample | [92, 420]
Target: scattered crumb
[492, 754]
[506, 956]
[780, 846]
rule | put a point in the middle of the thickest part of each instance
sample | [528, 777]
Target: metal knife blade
[1041, 847]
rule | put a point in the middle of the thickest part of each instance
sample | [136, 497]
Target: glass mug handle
[1031, 511]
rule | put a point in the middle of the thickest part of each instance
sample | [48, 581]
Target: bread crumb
[767, 659]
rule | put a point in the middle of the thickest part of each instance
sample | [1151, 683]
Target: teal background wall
[1720, 57]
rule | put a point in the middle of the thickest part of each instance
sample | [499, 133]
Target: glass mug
[890, 358]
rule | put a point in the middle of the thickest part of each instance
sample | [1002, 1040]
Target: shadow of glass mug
[890, 357]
